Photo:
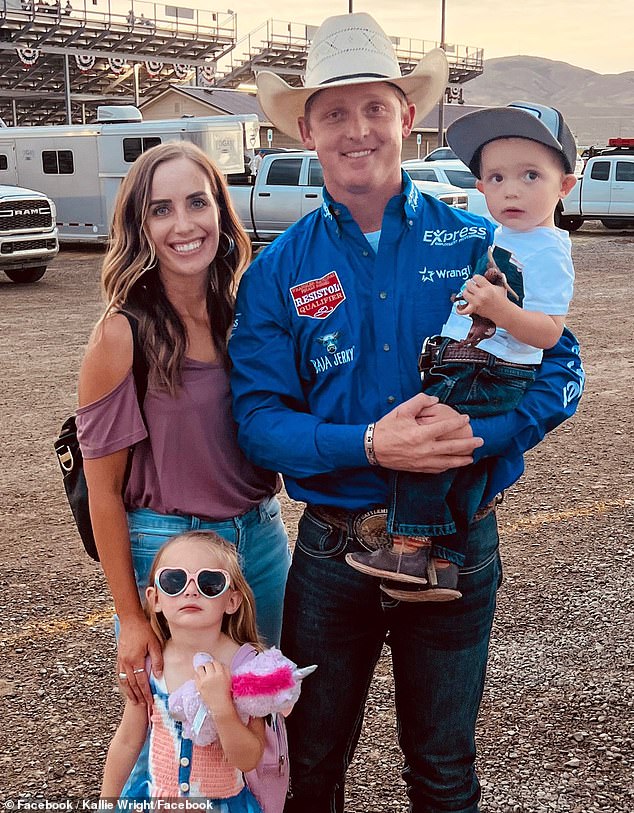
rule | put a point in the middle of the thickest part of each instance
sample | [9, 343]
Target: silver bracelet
[368, 445]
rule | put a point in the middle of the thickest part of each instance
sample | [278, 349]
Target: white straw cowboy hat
[351, 49]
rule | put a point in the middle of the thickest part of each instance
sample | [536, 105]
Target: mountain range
[596, 106]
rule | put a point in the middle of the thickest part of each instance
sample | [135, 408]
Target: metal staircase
[104, 55]
[46, 47]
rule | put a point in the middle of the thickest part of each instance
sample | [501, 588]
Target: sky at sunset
[588, 34]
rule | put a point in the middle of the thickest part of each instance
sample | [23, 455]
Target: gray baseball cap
[468, 134]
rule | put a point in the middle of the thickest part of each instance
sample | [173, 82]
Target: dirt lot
[555, 732]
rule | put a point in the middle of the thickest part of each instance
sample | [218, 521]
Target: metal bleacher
[40, 41]
[47, 48]
[281, 47]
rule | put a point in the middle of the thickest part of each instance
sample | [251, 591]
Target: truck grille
[19, 215]
[27, 245]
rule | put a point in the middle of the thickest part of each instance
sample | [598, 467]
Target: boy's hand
[485, 299]
[213, 681]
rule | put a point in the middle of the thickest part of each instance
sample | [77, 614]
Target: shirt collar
[409, 202]
[411, 196]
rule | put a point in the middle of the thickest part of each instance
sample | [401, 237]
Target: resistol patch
[318, 298]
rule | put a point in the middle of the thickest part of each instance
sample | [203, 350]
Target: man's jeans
[338, 618]
[442, 505]
[262, 545]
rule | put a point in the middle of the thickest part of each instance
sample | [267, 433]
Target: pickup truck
[605, 190]
[288, 186]
[28, 233]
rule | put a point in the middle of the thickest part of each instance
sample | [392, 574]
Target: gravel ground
[555, 731]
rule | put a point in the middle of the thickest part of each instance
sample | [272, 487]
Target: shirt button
[365, 253]
[184, 786]
[410, 222]
[383, 295]
[391, 399]
[386, 347]
[337, 212]
[184, 762]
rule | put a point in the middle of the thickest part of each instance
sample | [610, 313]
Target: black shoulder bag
[70, 458]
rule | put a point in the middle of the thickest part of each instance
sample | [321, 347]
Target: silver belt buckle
[370, 529]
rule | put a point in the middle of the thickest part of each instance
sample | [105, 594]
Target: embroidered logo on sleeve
[330, 341]
[318, 298]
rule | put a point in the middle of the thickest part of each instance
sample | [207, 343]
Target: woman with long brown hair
[176, 253]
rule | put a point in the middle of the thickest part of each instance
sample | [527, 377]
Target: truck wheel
[570, 223]
[25, 275]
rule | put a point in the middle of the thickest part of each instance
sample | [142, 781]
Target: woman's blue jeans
[338, 618]
[261, 542]
[262, 545]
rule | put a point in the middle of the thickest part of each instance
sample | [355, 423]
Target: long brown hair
[130, 278]
[239, 626]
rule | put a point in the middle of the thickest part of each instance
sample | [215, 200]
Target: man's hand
[423, 435]
[440, 412]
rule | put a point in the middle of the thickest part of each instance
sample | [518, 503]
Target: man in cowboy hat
[329, 322]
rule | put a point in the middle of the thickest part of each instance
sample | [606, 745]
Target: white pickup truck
[288, 186]
[28, 233]
[605, 190]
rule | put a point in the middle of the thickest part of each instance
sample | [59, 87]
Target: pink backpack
[268, 782]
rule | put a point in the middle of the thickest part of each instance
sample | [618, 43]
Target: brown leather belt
[344, 520]
[438, 349]
[340, 518]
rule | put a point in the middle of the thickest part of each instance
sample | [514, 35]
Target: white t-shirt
[543, 257]
[373, 238]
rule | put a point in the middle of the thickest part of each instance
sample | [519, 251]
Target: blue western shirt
[327, 335]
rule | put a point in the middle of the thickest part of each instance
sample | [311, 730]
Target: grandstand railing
[281, 46]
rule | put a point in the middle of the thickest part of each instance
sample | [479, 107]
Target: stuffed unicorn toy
[267, 684]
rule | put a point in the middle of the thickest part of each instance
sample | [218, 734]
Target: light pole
[441, 102]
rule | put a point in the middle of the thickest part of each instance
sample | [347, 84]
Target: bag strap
[140, 370]
[243, 655]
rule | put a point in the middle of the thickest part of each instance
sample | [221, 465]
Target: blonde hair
[239, 626]
[130, 278]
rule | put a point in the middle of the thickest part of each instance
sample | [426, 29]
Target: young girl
[197, 601]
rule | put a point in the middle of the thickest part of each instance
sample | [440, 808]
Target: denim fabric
[339, 618]
[476, 389]
[262, 544]
[442, 505]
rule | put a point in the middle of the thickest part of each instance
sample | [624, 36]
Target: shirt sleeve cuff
[342, 445]
[495, 432]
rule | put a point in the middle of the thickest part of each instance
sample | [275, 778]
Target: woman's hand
[137, 640]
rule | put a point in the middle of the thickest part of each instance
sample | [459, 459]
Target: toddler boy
[524, 157]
